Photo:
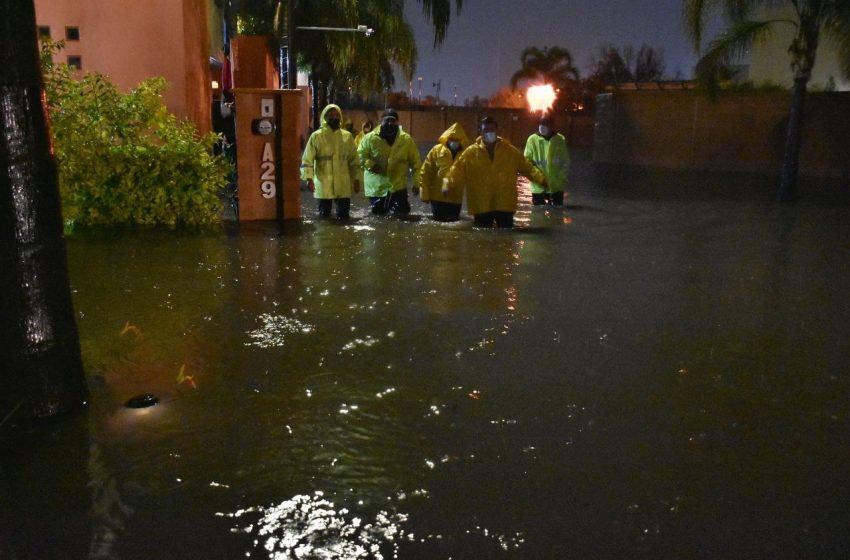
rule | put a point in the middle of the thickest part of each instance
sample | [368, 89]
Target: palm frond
[439, 13]
[728, 47]
[695, 13]
[836, 31]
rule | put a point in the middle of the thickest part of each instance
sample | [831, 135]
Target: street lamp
[420, 89]
[359, 29]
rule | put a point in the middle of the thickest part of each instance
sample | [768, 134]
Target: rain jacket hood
[454, 131]
[437, 164]
[325, 112]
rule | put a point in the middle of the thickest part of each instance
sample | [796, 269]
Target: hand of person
[445, 187]
[356, 186]
[311, 185]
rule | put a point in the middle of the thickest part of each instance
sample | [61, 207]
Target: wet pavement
[658, 370]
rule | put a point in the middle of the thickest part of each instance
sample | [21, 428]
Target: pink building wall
[130, 41]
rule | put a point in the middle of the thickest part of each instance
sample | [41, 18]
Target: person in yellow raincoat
[365, 129]
[330, 165]
[387, 154]
[547, 149]
[444, 207]
[487, 170]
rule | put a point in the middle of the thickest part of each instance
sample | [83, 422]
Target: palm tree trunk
[793, 136]
[41, 373]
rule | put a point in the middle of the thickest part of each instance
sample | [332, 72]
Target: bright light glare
[540, 98]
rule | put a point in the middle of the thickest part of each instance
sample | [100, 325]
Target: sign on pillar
[268, 153]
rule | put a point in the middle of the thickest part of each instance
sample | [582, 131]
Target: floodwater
[658, 370]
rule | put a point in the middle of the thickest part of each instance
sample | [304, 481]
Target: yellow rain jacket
[437, 164]
[361, 134]
[330, 159]
[550, 156]
[491, 186]
[395, 161]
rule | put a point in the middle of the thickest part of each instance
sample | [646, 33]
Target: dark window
[72, 33]
[44, 31]
[75, 61]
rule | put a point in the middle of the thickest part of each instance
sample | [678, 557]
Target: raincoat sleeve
[530, 171]
[427, 176]
[415, 162]
[455, 178]
[564, 152]
[354, 170]
[365, 153]
[308, 160]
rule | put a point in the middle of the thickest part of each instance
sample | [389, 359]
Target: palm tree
[811, 20]
[553, 66]
[42, 373]
[439, 13]
[346, 59]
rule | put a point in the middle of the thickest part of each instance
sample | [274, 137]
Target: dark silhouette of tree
[649, 64]
[339, 61]
[42, 373]
[610, 67]
[553, 66]
[811, 22]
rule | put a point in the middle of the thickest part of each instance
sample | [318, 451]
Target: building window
[72, 33]
[44, 32]
[75, 61]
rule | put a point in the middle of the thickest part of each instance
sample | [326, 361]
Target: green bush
[123, 158]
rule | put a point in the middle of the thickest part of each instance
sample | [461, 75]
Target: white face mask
[543, 129]
[489, 137]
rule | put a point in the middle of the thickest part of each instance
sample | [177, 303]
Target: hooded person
[387, 154]
[547, 150]
[487, 170]
[435, 168]
[330, 166]
[365, 129]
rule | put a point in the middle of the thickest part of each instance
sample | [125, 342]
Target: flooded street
[655, 371]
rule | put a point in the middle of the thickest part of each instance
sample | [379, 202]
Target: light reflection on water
[631, 376]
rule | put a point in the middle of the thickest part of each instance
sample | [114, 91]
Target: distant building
[770, 63]
[131, 41]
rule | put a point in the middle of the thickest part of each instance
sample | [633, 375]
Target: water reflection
[619, 378]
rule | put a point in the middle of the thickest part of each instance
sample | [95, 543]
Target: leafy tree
[42, 373]
[346, 60]
[811, 20]
[611, 66]
[123, 158]
[649, 64]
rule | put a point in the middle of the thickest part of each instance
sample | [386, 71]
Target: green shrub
[123, 158]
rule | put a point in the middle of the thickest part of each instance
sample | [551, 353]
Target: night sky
[483, 46]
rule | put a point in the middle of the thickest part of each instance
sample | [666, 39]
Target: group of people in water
[336, 164]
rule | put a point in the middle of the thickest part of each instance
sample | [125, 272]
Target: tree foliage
[613, 65]
[553, 66]
[812, 22]
[123, 158]
[346, 60]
